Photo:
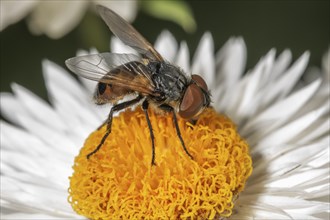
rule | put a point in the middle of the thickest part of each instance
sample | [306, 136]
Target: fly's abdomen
[108, 93]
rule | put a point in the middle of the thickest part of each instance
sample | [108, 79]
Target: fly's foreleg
[114, 109]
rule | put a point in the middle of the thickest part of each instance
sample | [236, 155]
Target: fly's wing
[128, 34]
[124, 70]
[95, 66]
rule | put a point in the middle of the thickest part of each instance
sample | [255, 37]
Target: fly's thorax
[169, 80]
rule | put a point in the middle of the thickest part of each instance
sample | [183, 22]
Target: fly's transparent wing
[128, 34]
[95, 66]
[123, 70]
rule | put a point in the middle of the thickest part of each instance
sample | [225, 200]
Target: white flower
[285, 122]
[56, 18]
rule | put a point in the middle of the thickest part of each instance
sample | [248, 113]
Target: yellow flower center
[118, 182]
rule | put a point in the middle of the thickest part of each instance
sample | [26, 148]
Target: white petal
[117, 46]
[36, 216]
[287, 158]
[90, 85]
[31, 197]
[72, 104]
[66, 92]
[256, 80]
[56, 18]
[289, 132]
[281, 64]
[294, 205]
[183, 57]
[326, 65]
[14, 10]
[125, 8]
[8, 105]
[48, 135]
[230, 63]
[55, 74]
[316, 130]
[38, 149]
[166, 45]
[284, 170]
[279, 112]
[37, 109]
[254, 210]
[16, 139]
[203, 61]
[282, 87]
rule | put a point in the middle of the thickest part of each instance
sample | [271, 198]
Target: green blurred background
[297, 25]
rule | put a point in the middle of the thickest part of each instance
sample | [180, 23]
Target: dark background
[297, 25]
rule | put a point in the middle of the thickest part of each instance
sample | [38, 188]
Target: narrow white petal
[282, 87]
[203, 61]
[38, 150]
[281, 159]
[55, 74]
[90, 85]
[265, 206]
[48, 135]
[183, 57]
[230, 64]
[316, 130]
[230, 61]
[281, 64]
[117, 46]
[326, 65]
[275, 115]
[315, 189]
[293, 179]
[15, 212]
[9, 104]
[256, 80]
[294, 205]
[289, 132]
[37, 108]
[82, 52]
[254, 210]
[166, 45]
[68, 95]
[24, 163]
[31, 197]
[36, 216]
[14, 139]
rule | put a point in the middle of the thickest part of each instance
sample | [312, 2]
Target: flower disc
[118, 182]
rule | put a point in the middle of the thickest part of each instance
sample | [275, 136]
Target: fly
[151, 80]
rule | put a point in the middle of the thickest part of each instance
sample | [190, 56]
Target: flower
[57, 18]
[285, 122]
[118, 182]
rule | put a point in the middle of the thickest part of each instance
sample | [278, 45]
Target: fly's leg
[114, 109]
[175, 121]
[145, 106]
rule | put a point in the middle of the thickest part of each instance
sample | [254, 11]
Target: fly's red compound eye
[192, 102]
[199, 81]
